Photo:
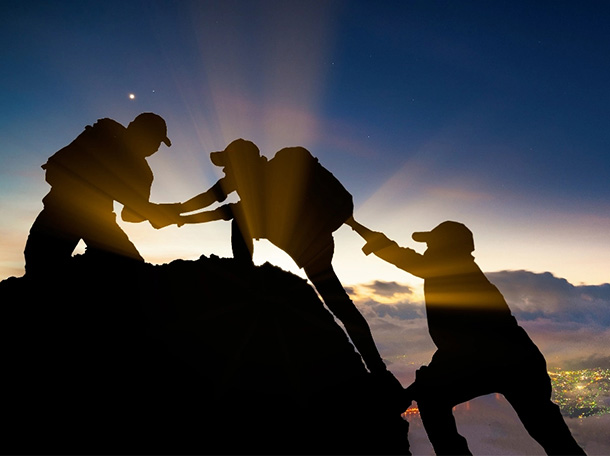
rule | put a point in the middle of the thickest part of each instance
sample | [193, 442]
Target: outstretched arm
[159, 215]
[221, 213]
[216, 193]
[386, 249]
[375, 240]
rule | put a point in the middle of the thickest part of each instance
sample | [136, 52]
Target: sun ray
[275, 108]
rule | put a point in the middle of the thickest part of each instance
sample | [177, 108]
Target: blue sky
[490, 113]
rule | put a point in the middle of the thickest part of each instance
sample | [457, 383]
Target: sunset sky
[494, 114]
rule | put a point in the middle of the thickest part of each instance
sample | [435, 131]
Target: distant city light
[582, 393]
[411, 411]
[575, 399]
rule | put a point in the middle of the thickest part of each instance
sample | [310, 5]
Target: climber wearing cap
[480, 347]
[293, 202]
[105, 163]
[244, 173]
[271, 207]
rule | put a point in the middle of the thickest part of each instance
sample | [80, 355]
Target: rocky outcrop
[205, 356]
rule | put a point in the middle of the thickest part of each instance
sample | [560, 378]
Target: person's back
[305, 204]
[78, 173]
[466, 313]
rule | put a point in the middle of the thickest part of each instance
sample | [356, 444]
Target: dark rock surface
[204, 357]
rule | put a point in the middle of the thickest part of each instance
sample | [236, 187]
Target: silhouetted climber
[105, 163]
[296, 204]
[480, 347]
[245, 171]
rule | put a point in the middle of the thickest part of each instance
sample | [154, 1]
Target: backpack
[307, 197]
[80, 159]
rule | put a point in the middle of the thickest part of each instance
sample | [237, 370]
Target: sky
[493, 114]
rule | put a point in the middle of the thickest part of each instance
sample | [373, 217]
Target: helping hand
[167, 214]
[376, 241]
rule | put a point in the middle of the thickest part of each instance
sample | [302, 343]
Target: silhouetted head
[448, 237]
[146, 133]
[238, 152]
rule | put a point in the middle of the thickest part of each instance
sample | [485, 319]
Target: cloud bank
[569, 323]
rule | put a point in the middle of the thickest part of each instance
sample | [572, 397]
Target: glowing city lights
[582, 393]
[579, 394]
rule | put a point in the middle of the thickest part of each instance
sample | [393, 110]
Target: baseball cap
[239, 150]
[447, 235]
[151, 124]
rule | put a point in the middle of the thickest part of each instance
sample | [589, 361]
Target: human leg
[390, 391]
[441, 428]
[526, 385]
[49, 245]
[321, 273]
[241, 238]
[530, 397]
[105, 239]
[241, 244]
[439, 387]
[543, 421]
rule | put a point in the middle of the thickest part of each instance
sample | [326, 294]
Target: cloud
[567, 344]
[570, 324]
[402, 311]
[380, 288]
[388, 288]
[396, 314]
[592, 433]
[531, 296]
[380, 299]
[590, 362]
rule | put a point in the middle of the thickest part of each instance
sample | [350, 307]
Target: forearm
[375, 240]
[205, 199]
[403, 258]
[221, 213]
[137, 212]
[388, 250]
[159, 215]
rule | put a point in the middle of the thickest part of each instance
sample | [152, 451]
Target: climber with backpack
[105, 163]
[296, 204]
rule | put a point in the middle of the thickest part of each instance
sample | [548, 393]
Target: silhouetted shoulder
[307, 186]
